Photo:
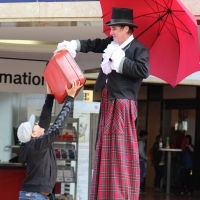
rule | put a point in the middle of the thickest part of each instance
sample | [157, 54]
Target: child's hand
[71, 92]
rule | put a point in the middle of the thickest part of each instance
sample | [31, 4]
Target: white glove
[71, 47]
[116, 58]
[105, 65]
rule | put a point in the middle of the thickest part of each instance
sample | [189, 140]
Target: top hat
[121, 16]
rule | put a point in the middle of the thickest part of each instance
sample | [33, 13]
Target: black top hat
[121, 16]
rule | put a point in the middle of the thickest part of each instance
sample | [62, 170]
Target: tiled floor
[151, 195]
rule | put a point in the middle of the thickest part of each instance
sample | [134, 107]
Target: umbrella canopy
[170, 32]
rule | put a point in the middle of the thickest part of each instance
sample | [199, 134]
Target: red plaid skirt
[116, 172]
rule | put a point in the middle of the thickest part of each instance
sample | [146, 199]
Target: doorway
[179, 117]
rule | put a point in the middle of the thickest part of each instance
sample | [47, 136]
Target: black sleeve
[139, 66]
[45, 117]
[96, 45]
[50, 136]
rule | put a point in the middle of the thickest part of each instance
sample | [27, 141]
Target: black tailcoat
[135, 68]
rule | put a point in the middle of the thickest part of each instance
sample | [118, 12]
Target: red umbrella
[170, 32]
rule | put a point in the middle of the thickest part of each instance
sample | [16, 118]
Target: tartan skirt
[116, 171]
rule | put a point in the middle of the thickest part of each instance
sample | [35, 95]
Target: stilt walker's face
[119, 34]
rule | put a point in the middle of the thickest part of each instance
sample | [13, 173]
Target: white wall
[19, 84]
[6, 128]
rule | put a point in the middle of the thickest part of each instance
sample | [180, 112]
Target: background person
[125, 64]
[37, 151]
[186, 166]
[158, 161]
[143, 157]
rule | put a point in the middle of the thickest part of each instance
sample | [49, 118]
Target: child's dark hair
[158, 137]
[143, 133]
[189, 137]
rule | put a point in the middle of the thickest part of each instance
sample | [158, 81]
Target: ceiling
[15, 47]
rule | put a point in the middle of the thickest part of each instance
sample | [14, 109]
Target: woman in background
[158, 163]
[186, 165]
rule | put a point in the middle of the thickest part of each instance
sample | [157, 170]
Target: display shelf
[68, 134]
[66, 174]
[66, 151]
